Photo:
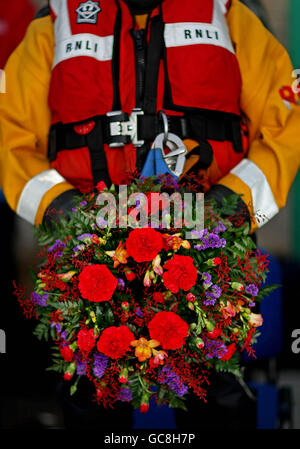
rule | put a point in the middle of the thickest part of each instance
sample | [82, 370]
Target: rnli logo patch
[87, 12]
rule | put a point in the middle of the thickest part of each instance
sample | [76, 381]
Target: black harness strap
[200, 127]
[116, 61]
[154, 56]
[63, 137]
[216, 126]
[96, 138]
[97, 154]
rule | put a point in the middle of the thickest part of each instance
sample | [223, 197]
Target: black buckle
[123, 129]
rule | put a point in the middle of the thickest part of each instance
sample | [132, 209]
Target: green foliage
[42, 331]
[266, 291]
[229, 366]
[175, 401]
[59, 365]
[229, 205]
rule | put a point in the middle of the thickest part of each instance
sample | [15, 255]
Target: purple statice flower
[121, 283]
[100, 364]
[39, 300]
[84, 236]
[222, 243]
[56, 248]
[215, 348]
[63, 335]
[200, 234]
[125, 395]
[219, 228]
[213, 240]
[210, 299]
[169, 377]
[139, 312]
[80, 367]
[78, 248]
[207, 280]
[82, 203]
[58, 328]
[217, 291]
[252, 290]
[251, 304]
[206, 276]
[203, 246]
[207, 284]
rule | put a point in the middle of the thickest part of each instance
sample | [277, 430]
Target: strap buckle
[123, 128]
[175, 159]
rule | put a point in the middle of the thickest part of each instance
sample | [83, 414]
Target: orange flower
[119, 255]
[239, 306]
[175, 242]
[144, 348]
[66, 276]
[228, 311]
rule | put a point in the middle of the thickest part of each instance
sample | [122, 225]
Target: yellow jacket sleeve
[266, 175]
[26, 178]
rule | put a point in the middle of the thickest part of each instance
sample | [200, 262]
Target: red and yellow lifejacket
[191, 73]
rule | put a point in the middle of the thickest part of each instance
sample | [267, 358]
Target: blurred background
[28, 397]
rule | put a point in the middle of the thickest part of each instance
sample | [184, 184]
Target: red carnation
[169, 329]
[115, 341]
[97, 283]
[67, 353]
[144, 244]
[86, 340]
[158, 297]
[181, 273]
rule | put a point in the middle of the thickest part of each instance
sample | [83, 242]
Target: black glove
[218, 192]
[60, 206]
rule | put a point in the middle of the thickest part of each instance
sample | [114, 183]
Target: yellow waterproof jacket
[271, 109]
